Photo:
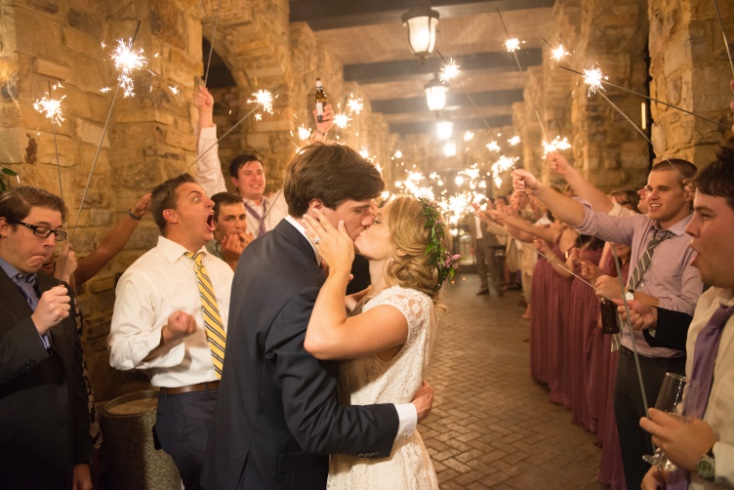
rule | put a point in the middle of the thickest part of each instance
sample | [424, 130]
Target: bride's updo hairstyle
[417, 229]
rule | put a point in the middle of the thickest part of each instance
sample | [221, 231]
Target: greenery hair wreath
[445, 262]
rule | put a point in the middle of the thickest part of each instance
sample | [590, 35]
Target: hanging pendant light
[436, 94]
[421, 21]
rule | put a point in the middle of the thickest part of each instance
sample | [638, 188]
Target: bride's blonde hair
[412, 231]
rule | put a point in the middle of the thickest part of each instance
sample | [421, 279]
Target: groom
[277, 416]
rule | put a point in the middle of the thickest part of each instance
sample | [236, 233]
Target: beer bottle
[320, 100]
[609, 317]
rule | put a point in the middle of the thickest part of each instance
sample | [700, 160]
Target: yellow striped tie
[210, 312]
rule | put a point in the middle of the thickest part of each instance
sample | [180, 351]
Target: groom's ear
[316, 204]
[400, 253]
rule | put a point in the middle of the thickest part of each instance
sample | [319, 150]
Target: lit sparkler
[593, 78]
[398, 154]
[51, 108]
[104, 90]
[555, 145]
[468, 136]
[341, 120]
[514, 140]
[174, 89]
[355, 106]
[263, 98]
[126, 61]
[258, 117]
[559, 53]
[449, 71]
[513, 44]
[303, 133]
[493, 146]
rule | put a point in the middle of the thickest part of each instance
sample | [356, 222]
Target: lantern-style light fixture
[449, 150]
[436, 94]
[421, 21]
[445, 129]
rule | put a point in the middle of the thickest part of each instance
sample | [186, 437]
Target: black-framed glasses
[45, 231]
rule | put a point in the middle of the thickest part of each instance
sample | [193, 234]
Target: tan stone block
[49, 69]
[36, 34]
[149, 115]
[186, 78]
[83, 44]
[47, 149]
[101, 217]
[13, 143]
[180, 140]
[257, 140]
[89, 132]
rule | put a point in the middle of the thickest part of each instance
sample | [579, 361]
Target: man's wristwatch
[706, 466]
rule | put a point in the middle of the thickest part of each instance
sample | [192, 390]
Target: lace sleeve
[417, 307]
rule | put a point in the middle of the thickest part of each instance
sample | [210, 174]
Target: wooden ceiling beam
[337, 14]
[391, 71]
[459, 125]
[454, 101]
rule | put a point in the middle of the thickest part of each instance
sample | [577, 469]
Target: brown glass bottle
[609, 317]
[320, 100]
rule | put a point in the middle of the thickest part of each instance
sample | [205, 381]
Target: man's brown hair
[164, 197]
[16, 203]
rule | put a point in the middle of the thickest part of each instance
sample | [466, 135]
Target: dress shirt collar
[298, 226]
[12, 271]
[173, 251]
[725, 296]
[678, 228]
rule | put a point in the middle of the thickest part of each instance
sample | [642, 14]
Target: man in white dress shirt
[167, 320]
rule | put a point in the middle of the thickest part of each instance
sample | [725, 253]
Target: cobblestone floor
[492, 426]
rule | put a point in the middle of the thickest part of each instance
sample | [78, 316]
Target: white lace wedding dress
[371, 380]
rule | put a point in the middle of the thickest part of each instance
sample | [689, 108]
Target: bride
[389, 333]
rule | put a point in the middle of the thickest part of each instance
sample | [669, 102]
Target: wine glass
[678, 397]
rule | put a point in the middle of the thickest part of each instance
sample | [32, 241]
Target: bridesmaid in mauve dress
[611, 471]
[583, 316]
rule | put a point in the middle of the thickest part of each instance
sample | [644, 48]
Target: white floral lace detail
[371, 380]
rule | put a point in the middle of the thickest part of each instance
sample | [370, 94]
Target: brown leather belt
[211, 385]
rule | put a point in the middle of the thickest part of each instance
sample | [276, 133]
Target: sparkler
[449, 71]
[468, 136]
[263, 98]
[50, 108]
[493, 146]
[341, 120]
[514, 140]
[559, 52]
[174, 89]
[355, 106]
[555, 145]
[593, 77]
[512, 44]
[303, 133]
[398, 154]
[126, 61]
[258, 117]
[211, 45]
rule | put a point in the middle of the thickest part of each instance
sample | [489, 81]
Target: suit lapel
[12, 298]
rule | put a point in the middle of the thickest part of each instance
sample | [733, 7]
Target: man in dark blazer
[44, 422]
[277, 416]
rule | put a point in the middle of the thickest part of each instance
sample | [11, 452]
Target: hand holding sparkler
[558, 163]
[327, 120]
[641, 315]
[590, 271]
[204, 103]
[524, 181]
[608, 286]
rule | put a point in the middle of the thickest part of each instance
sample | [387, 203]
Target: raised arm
[562, 207]
[521, 229]
[112, 243]
[331, 334]
[582, 187]
[208, 168]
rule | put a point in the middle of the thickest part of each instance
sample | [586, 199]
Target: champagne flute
[678, 397]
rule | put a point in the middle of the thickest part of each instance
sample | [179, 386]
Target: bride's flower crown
[445, 262]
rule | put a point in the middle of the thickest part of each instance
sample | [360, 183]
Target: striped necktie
[215, 333]
[27, 286]
[644, 262]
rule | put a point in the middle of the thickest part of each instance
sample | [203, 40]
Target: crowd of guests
[239, 315]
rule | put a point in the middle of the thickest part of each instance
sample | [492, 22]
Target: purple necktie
[27, 284]
[704, 355]
[260, 229]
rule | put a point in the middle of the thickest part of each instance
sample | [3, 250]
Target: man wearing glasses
[44, 428]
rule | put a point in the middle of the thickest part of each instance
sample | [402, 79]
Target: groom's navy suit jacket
[277, 415]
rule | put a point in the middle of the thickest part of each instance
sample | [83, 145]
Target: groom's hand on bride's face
[423, 401]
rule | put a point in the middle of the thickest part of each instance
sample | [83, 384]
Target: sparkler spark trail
[174, 89]
[355, 106]
[559, 53]
[263, 98]
[341, 120]
[258, 117]
[303, 133]
[50, 108]
[449, 71]
[555, 145]
[593, 77]
[512, 44]
[468, 136]
[514, 140]
[126, 61]
[493, 146]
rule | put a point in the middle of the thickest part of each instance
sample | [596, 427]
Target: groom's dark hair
[329, 172]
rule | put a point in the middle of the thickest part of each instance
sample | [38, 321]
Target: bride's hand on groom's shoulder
[423, 401]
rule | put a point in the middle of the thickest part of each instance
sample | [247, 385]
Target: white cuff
[408, 419]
